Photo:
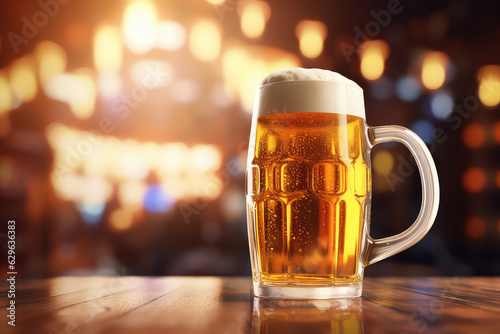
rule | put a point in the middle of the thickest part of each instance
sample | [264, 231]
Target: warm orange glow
[475, 227]
[5, 95]
[131, 193]
[5, 125]
[141, 69]
[121, 219]
[205, 40]
[474, 180]
[170, 35]
[82, 102]
[216, 2]
[51, 60]
[109, 84]
[77, 89]
[474, 135]
[232, 59]
[383, 162]
[134, 166]
[244, 68]
[489, 85]
[434, 69]
[185, 172]
[311, 36]
[373, 56]
[108, 49]
[108, 54]
[139, 26]
[23, 79]
[80, 188]
[173, 157]
[254, 16]
[205, 158]
[6, 172]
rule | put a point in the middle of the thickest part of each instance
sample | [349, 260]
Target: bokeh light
[311, 36]
[205, 40]
[139, 26]
[51, 59]
[108, 49]
[131, 193]
[475, 227]
[205, 158]
[126, 163]
[170, 35]
[373, 55]
[141, 73]
[81, 188]
[434, 70]
[5, 94]
[474, 135]
[121, 219]
[424, 129]
[91, 212]
[109, 84]
[157, 200]
[442, 105]
[6, 172]
[489, 85]
[77, 89]
[244, 67]
[153, 104]
[408, 89]
[474, 180]
[108, 54]
[383, 162]
[173, 157]
[254, 16]
[23, 78]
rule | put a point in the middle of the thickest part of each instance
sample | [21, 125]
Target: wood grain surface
[226, 305]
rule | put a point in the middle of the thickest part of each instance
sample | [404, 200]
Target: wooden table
[226, 305]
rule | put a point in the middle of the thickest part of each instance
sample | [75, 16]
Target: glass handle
[379, 249]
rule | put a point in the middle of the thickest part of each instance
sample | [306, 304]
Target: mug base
[301, 293]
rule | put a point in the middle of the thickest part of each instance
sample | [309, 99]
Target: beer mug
[308, 187]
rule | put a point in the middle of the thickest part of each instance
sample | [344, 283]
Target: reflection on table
[310, 316]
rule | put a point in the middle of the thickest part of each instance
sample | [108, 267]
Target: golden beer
[309, 182]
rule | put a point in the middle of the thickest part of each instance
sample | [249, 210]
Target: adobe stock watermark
[460, 112]
[120, 107]
[32, 25]
[217, 184]
[429, 312]
[372, 29]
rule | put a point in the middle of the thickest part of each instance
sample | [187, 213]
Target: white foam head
[308, 90]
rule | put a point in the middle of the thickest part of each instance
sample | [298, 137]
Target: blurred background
[124, 126]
